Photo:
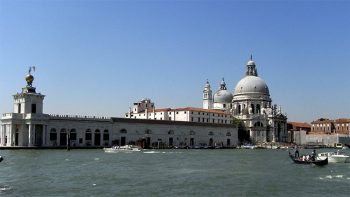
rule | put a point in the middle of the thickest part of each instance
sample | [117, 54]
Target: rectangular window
[80, 140]
[19, 108]
[33, 108]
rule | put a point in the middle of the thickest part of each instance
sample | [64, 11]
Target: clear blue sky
[98, 57]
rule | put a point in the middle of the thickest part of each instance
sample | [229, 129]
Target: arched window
[123, 131]
[253, 108]
[258, 124]
[88, 135]
[258, 110]
[239, 109]
[53, 134]
[73, 134]
[63, 131]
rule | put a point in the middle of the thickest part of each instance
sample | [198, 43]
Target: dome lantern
[251, 70]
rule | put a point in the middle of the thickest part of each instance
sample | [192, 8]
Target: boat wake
[159, 152]
[334, 177]
[4, 188]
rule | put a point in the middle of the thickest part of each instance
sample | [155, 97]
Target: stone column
[12, 135]
[273, 134]
[31, 135]
[44, 135]
[3, 129]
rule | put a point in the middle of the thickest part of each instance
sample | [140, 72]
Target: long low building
[28, 126]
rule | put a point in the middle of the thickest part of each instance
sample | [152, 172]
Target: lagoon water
[167, 173]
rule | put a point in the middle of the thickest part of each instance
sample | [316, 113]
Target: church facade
[251, 103]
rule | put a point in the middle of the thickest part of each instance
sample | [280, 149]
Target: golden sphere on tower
[29, 78]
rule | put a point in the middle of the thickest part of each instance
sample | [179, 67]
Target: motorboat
[1, 158]
[248, 146]
[126, 148]
[307, 159]
[335, 157]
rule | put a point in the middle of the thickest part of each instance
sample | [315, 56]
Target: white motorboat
[334, 157]
[126, 148]
[248, 146]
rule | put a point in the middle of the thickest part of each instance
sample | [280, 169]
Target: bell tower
[28, 101]
[207, 96]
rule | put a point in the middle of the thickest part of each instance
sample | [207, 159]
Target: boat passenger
[313, 155]
[296, 153]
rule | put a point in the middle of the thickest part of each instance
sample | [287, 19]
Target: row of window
[256, 109]
[88, 133]
[206, 120]
[218, 115]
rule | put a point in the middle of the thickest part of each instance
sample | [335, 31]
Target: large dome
[251, 84]
[223, 96]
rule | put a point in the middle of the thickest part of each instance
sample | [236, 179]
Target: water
[167, 173]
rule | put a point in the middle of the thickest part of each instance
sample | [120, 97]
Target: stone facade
[145, 109]
[28, 126]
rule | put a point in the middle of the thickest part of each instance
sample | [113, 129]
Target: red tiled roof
[342, 120]
[300, 124]
[217, 111]
[322, 121]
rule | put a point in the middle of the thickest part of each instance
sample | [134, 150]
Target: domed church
[251, 103]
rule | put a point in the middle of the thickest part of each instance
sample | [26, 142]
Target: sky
[97, 57]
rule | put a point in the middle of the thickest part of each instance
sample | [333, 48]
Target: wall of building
[111, 131]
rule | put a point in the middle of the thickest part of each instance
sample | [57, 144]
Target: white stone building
[28, 126]
[145, 109]
[252, 104]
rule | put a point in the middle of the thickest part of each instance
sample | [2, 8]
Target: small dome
[223, 96]
[251, 63]
[251, 84]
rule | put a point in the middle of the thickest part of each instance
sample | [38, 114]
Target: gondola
[317, 162]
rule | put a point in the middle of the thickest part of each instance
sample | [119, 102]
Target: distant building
[297, 132]
[251, 103]
[342, 126]
[322, 125]
[145, 109]
[327, 132]
[296, 126]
